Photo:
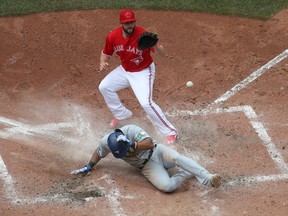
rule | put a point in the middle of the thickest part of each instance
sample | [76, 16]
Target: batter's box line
[257, 179]
[260, 130]
[14, 197]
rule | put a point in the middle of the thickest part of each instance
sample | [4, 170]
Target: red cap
[127, 16]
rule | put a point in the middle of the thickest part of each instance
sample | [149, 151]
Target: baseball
[189, 84]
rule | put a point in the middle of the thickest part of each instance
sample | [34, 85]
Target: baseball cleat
[215, 180]
[114, 123]
[171, 140]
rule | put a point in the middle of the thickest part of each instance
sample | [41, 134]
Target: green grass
[260, 9]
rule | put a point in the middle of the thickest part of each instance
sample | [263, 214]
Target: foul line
[250, 78]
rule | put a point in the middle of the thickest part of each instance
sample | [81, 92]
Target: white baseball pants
[141, 84]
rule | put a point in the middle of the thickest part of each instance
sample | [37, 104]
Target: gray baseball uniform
[154, 164]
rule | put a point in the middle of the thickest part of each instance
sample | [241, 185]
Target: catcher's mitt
[147, 40]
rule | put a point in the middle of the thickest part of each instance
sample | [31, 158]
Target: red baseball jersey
[132, 59]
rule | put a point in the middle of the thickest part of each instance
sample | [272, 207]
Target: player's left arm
[159, 50]
[144, 144]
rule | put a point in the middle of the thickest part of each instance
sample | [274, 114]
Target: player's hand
[103, 66]
[84, 170]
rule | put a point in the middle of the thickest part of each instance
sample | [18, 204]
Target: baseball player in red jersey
[137, 70]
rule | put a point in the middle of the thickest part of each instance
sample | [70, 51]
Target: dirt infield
[233, 121]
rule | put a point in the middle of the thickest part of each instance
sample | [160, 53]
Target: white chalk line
[24, 131]
[259, 128]
[12, 194]
[16, 130]
[250, 78]
[257, 179]
[263, 135]
[8, 181]
[114, 196]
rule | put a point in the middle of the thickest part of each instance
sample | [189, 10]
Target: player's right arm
[88, 167]
[94, 159]
[103, 62]
[101, 152]
[106, 53]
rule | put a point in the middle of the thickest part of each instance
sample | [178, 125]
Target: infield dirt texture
[234, 121]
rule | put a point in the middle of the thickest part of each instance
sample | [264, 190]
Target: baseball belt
[149, 156]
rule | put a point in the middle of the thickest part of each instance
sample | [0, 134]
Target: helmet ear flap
[117, 130]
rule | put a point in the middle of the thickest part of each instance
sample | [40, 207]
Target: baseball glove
[147, 40]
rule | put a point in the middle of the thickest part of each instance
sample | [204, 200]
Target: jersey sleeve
[108, 47]
[103, 149]
[141, 135]
[135, 133]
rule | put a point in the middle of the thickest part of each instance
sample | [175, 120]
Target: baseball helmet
[118, 148]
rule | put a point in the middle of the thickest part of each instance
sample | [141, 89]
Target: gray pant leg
[156, 171]
[158, 175]
[171, 157]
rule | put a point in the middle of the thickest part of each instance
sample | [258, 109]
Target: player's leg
[142, 86]
[113, 82]
[155, 172]
[171, 158]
